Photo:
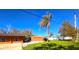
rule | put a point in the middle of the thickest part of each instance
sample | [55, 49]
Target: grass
[63, 43]
[53, 45]
[31, 46]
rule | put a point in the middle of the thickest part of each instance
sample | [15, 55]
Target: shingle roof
[11, 35]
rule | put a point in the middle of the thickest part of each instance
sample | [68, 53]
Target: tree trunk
[48, 27]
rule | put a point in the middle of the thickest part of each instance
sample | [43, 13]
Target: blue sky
[23, 20]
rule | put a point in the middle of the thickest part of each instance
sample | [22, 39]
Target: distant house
[37, 38]
[65, 38]
[52, 38]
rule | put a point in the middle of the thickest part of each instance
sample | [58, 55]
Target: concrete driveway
[13, 46]
[16, 45]
[32, 42]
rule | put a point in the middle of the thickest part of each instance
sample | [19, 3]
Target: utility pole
[75, 25]
[75, 17]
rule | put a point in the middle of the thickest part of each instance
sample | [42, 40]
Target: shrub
[27, 39]
[60, 47]
[45, 39]
[71, 47]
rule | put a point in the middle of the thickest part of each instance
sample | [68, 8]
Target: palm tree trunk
[48, 31]
[48, 27]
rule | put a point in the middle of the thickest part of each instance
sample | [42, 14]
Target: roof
[38, 36]
[11, 35]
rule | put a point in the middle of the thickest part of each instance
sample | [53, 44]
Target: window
[2, 39]
[15, 39]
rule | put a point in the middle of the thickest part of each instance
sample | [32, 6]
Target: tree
[2, 31]
[67, 30]
[45, 22]
[27, 32]
[8, 28]
[15, 31]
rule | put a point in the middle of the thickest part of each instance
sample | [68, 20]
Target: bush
[71, 47]
[27, 39]
[60, 47]
[45, 39]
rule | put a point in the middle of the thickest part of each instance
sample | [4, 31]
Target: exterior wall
[37, 38]
[10, 43]
[10, 39]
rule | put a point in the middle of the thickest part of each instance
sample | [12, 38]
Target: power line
[31, 13]
[25, 11]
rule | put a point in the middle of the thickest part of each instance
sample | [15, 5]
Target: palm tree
[45, 22]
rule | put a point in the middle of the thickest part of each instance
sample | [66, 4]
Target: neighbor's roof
[37, 36]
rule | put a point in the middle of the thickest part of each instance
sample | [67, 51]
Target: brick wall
[37, 38]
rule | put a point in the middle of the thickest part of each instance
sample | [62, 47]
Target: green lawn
[53, 45]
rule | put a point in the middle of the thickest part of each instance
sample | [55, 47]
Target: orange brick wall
[37, 38]
[10, 40]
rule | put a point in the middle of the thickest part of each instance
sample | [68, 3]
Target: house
[15, 41]
[11, 41]
[11, 38]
